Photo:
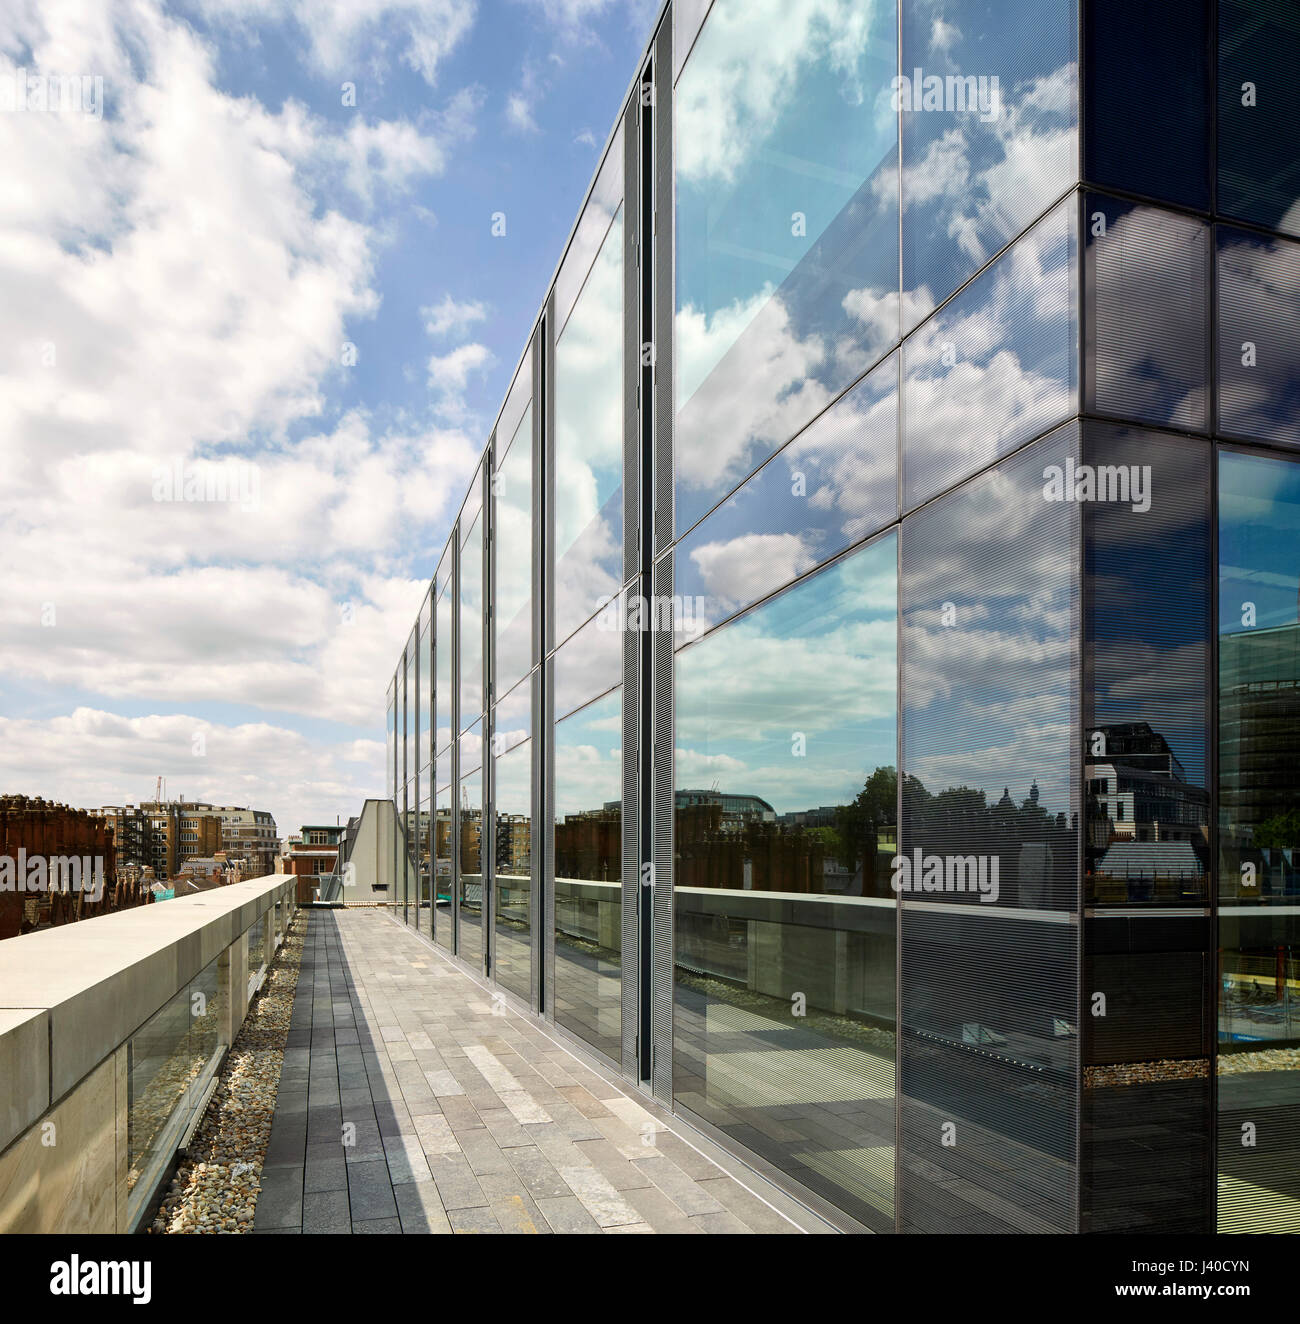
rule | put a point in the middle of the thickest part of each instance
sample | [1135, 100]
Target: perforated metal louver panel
[663, 974]
[1147, 282]
[632, 497]
[989, 989]
[1258, 337]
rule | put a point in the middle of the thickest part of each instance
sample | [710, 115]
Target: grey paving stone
[420, 1209]
[370, 1191]
[388, 1226]
[279, 1203]
[473, 1220]
[326, 1211]
[566, 1215]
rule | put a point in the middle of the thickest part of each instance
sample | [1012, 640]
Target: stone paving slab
[408, 1106]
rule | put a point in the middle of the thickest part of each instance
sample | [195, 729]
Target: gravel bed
[216, 1188]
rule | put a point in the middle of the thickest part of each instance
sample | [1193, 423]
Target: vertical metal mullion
[454, 709]
[541, 733]
[546, 736]
[487, 819]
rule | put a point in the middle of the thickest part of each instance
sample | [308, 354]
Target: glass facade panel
[425, 706]
[989, 133]
[443, 654]
[423, 905]
[512, 488]
[392, 741]
[442, 871]
[833, 485]
[786, 172]
[587, 997]
[166, 1056]
[588, 450]
[591, 662]
[1148, 62]
[471, 625]
[990, 801]
[996, 366]
[1259, 113]
[1258, 337]
[1147, 291]
[469, 873]
[1259, 845]
[512, 880]
[785, 823]
[1146, 1161]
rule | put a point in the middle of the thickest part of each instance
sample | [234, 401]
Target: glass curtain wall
[587, 465]
[785, 825]
[1258, 1076]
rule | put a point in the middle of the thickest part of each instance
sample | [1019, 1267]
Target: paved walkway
[456, 1116]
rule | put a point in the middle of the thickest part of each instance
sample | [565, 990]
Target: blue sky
[183, 278]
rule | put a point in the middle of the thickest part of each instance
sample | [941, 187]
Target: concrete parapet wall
[70, 1000]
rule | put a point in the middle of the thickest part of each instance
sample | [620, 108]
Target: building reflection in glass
[1259, 845]
[513, 862]
[469, 873]
[588, 873]
[785, 826]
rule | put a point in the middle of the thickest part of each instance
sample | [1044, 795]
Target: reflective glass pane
[785, 825]
[410, 701]
[513, 550]
[996, 366]
[426, 696]
[1147, 289]
[1259, 337]
[423, 904]
[786, 148]
[1259, 113]
[442, 925]
[589, 442]
[1146, 1163]
[392, 740]
[988, 871]
[1148, 63]
[471, 626]
[165, 1057]
[588, 873]
[443, 656]
[591, 662]
[834, 484]
[469, 942]
[512, 881]
[988, 131]
[1259, 844]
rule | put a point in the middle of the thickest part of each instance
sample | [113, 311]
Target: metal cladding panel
[1258, 336]
[1147, 314]
[631, 829]
[661, 678]
[546, 818]
[631, 340]
[661, 1011]
[989, 946]
[632, 495]
[665, 293]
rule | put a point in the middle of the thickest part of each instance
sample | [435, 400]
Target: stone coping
[69, 996]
